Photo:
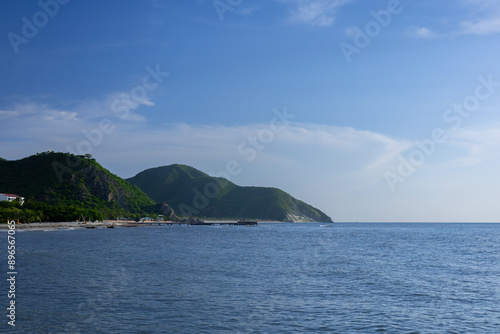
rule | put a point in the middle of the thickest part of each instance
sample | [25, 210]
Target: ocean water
[270, 278]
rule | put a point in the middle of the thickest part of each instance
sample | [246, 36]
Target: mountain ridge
[62, 186]
[191, 192]
[71, 183]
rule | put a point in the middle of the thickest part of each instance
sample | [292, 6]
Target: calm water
[272, 278]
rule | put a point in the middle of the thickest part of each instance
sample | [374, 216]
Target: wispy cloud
[51, 115]
[314, 12]
[487, 26]
[41, 112]
[9, 112]
[336, 154]
[326, 163]
[479, 145]
[423, 33]
[338, 169]
[485, 17]
[40, 118]
[477, 18]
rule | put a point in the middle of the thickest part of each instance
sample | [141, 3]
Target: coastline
[105, 224]
[55, 226]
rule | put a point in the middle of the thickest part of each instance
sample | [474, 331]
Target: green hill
[71, 182]
[191, 192]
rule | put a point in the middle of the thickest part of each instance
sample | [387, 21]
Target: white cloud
[329, 148]
[337, 169]
[477, 17]
[424, 33]
[315, 12]
[121, 104]
[480, 5]
[479, 145]
[37, 112]
[487, 26]
[9, 112]
[315, 163]
[42, 125]
[51, 115]
[117, 105]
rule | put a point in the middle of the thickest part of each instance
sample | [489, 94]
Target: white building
[11, 197]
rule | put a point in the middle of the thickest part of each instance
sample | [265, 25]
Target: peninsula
[62, 187]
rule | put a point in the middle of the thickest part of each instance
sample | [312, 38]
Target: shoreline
[53, 226]
[105, 224]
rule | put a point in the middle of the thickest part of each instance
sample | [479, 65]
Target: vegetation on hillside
[33, 211]
[192, 192]
[66, 187]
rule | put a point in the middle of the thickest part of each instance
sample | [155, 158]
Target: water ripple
[294, 278]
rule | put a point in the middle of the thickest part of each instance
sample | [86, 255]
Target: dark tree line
[35, 211]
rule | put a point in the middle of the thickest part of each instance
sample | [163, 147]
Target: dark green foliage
[191, 192]
[65, 187]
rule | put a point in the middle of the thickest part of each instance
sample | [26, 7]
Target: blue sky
[361, 84]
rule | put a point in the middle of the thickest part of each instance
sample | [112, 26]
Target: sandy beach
[52, 226]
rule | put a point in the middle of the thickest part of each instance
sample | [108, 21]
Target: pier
[239, 222]
[192, 223]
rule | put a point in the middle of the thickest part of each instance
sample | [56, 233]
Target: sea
[269, 278]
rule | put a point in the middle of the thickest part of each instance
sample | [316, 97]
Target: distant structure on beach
[11, 197]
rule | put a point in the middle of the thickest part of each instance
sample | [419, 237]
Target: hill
[191, 192]
[69, 181]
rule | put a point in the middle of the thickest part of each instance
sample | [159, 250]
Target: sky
[378, 111]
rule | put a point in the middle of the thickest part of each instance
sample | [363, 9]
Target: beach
[51, 226]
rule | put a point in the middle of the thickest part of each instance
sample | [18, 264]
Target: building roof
[10, 195]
